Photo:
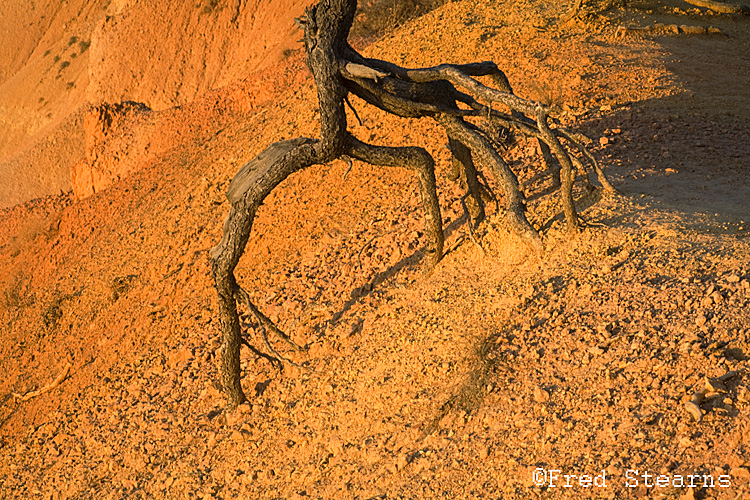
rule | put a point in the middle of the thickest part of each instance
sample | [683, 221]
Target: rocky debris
[456, 385]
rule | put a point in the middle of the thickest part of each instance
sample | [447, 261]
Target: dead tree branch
[59, 380]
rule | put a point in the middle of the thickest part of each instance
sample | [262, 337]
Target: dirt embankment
[65, 57]
[455, 385]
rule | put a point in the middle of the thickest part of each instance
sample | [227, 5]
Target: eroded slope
[456, 385]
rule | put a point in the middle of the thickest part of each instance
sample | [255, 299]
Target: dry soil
[461, 384]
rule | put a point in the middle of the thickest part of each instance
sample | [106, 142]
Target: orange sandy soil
[454, 385]
[60, 57]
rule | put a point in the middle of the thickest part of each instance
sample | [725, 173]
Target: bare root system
[451, 95]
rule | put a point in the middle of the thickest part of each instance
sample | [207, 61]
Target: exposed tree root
[59, 380]
[449, 94]
[582, 8]
[668, 29]
[723, 8]
[470, 224]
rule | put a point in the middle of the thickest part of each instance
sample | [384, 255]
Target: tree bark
[449, 94]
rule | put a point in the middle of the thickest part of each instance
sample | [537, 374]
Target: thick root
[450, 94]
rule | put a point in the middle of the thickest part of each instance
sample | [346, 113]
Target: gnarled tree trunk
[427, 92]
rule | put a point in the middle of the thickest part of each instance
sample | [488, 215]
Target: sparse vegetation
[468, 396]
[52, 313]
[83, 46]
[53, 310]
[64, 65]
[375, 17]
[121, 284]
[73, 39]
[13, 295]
[210, 6]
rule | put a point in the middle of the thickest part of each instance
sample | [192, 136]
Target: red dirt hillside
[457, 385]
[59, 58]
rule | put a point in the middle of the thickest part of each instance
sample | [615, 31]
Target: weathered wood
[415, 93]
[456, 75]
[485, 155]
[251, 174]
[59, 380]
[361, 71]
[246, 193]
[466, 173]
[566, 170]
[721, 7]
[419, 160]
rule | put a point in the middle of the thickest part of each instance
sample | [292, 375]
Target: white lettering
[725, 481]
[692, 479]
[567, 480]
[603, 482]
[554, 475]
[646, 475]
[631, 475]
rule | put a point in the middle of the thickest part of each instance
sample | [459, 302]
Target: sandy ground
[471, 382]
